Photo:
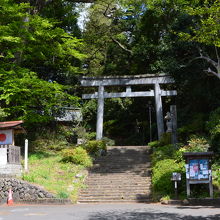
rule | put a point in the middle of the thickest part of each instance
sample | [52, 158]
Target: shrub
[216, 173]
[214, 119]
[164, 152]
[47, 139]
[154, 144]
[213, 127]
[165, 140]
[77, 156]
[196, 144]
[161, 178]
[95, 147]
[108, 141]
[80, 132]
[195, 125]
[62, 195]
[49, 144]
[215, 139]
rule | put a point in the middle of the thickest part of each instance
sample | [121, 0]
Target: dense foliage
[34, 52]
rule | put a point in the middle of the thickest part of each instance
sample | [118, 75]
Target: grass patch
[47, 170]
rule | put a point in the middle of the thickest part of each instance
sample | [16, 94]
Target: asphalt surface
[109, 212]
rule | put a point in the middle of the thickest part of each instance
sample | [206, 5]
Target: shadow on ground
[148, 216]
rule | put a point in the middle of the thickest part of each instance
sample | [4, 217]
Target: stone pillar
[100, 113]
[159, 110]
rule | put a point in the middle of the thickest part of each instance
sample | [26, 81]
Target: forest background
[43, 52]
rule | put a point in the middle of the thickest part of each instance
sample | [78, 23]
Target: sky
[83, 15]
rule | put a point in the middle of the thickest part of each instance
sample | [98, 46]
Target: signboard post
[26, 155]
[176, 177]
[198, 170]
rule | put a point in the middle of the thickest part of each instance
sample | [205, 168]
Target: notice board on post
[198, 169]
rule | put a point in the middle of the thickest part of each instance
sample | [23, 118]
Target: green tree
[205, 30]
[33, 52]
[108, 36]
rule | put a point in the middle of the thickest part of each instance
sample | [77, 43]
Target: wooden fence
[13, 154]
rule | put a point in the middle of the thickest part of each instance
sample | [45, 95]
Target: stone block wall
[10, 170]
[21, 190]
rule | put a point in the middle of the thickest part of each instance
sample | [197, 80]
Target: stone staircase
[123, 175]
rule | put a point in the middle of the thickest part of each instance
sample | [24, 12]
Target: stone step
[132, 160]
[143, 173]
[115, 185]
[111, 190]
[120, 178]
[118, 181]
[115, 193]
[126, 158]
[101, 193]
[114, 177]
[85, 201]
[127, 174]
[94, 199]
[119, 198]
[112, 187]
[121, 170]
[120, 166]
[128, 190]
[123, 175]
[125, 189]
[116, 197]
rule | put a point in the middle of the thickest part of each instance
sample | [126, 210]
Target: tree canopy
[42, 51]
[35, 55]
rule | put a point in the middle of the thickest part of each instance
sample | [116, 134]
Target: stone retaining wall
[21, 190]
[10, 170]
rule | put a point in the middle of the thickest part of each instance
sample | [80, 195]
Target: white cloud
[83, 15]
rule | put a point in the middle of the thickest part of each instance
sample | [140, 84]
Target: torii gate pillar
[159, 109]
[100, 113]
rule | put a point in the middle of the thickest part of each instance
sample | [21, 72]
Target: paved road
[109, 212]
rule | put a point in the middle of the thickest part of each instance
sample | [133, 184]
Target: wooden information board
[198, 169]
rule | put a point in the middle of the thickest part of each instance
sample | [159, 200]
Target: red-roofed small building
[10, 163]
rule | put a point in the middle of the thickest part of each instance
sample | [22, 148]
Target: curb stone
[193, 202]
[46, 201]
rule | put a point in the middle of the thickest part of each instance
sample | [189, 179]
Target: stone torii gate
[128, 81]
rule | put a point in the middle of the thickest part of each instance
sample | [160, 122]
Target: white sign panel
[6, 137]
